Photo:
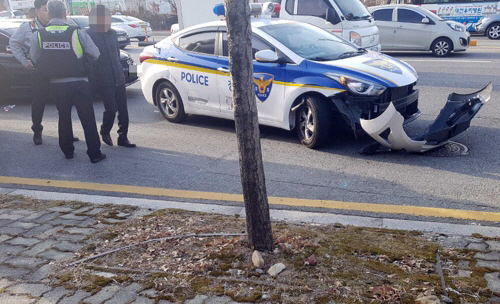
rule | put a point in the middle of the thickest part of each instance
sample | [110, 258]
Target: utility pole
[247, 126]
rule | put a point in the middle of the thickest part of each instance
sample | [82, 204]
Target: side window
[383, 15]
[257, 45]
[4, 42]
[408, 16]
[199, 43]
[313, 7]
[113, 19]
[290, 5]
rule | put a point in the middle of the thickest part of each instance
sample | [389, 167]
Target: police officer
[19, 44]
[109, 78]
[59, 51]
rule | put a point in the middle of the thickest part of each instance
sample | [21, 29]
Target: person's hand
[29, 66]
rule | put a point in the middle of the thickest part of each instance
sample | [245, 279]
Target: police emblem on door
[263, 83]
[383, 65]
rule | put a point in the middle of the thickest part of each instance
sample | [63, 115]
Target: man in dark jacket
[108, 75]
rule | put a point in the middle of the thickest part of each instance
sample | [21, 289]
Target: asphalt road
[201, 154]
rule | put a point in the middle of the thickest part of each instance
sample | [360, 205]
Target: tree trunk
[247, 126]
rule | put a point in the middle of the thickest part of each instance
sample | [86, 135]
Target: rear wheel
[442, 47]
[169, 102]
[314, 122]
[493, 31]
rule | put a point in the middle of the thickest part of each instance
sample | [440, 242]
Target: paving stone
[5, 283]
[35, 290]
[82, 210]
[477, 246]
[143, 300]
[490, 256]
[493, 245]
[12, 217]
[63, 222]
[165, 302]
[38, 230]
[199, 299]
[51, 232]
[56, 255]
[125, 295]
[8, 299]
[13, 273]
[34, 216]
[21, 261]
[24, 225]
[75, 230]
[488, 264]
[71, 216]
[68, 246]
[5, 222]
[21, 212]
[149, 293]
[61, 209]
[54, 295]
[10, 249]
[46, 217]
[88, 222]
[113, 221]
[75, 238]
[40, 247]
[464, 273]
[493, 281]
[4, 237]
[105, 294]
[12, 231]
[94, 211]
[463, 264]
[76, 297]
[218, 300]
[40, 274]
[28, 242]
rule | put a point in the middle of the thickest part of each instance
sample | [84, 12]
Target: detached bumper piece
[454, 118]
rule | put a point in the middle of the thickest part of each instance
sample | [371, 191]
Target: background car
[136, 28]
[489, 26]
[174, 28]
[412, 28]
[12, 14]
[15, 80]
[83, 22]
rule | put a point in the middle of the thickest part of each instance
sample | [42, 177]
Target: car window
[200, 43]
[113, 19]
[4, 42]
[408, 16]
[290, 5]
[81, 22]
[257, 45]
[313, 7]
[383, 14]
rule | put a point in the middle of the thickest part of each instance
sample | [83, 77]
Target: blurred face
[100, 19]
[42, 14]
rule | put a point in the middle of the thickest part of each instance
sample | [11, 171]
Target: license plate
[144, 26]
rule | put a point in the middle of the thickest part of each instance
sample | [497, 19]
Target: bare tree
[247, 126]
[173, 6]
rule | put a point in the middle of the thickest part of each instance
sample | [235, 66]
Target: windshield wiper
[319, 59]
[351, 54]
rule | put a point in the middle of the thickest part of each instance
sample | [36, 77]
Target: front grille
[399, 92]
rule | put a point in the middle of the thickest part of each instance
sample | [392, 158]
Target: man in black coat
[108, 74]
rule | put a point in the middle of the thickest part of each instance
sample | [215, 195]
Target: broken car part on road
[454, 118]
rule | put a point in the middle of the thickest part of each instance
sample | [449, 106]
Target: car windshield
[82, 22]
[310, 42]
[353, 9]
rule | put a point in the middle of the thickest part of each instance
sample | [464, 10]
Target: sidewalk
[39, 238]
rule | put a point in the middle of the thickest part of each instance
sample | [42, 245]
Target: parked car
[489, 26]
[136, 28]
[12, 14]
[174, 28]
[83, 22]
[15, 80]
[413, 28]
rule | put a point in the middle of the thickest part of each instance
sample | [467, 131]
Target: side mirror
[332, 16]
[266, 56]
[426, 20]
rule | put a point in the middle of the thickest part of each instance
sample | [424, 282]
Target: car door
[410, 32]
[268, 83]
[15, 80]
[193, 67]
[386, 27]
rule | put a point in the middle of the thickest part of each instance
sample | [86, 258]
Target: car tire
[169, 102]
[313, 122]
[442, 47]
[141, 38]
[493, 31]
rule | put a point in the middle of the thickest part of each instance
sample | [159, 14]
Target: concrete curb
[276, 215]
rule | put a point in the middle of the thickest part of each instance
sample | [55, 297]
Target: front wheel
[314, 122]
[493, 31]
[169, 102]
[442, 47]
[141, 38]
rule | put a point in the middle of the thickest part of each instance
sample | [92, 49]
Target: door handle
[173, 59]
[223, 70]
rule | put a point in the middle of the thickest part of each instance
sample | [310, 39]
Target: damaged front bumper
[454, 118]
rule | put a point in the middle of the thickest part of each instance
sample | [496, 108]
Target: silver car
[489, 26]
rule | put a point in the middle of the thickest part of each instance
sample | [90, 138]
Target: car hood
[373, 66]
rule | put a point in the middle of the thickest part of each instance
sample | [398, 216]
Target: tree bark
[247, 126]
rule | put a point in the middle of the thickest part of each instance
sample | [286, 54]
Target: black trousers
[41, 95]
[114, 100]
[78, 94]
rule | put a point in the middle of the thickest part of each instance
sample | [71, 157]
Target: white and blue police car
[305, 78]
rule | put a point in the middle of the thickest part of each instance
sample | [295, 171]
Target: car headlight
[355, 38]
[357, 86]
[456, 27]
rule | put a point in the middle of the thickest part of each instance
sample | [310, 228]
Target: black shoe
[69, 156]
[126, 143]
[76, 139]
[98, 159]
[37, 138]
[106, 138]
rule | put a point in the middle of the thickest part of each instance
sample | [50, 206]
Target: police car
[304, 77]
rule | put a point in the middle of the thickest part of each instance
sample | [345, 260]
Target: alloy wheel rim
[495, 31]
[442, 48]
[306, 123]
[169, 102]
